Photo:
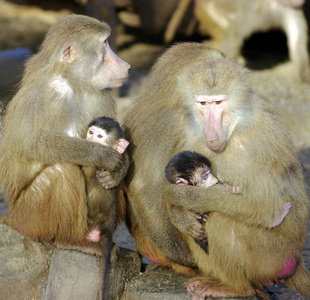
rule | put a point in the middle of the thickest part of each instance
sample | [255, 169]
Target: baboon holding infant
[65, 86]
[198, 100]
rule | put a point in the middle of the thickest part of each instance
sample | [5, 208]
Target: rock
[24, 266]
[72, 275]
[127, 266]
[157, 282]
[31, 270]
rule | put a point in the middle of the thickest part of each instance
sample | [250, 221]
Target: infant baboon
[102, 213]
[192, 168]
[105, 205]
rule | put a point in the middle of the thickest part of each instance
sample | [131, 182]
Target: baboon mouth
[215, 146]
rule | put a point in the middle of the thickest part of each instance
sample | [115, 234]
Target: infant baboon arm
[188, 222]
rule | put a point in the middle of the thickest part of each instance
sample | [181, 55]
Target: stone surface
[157, 282]
[30, 270]
[72, 275]
[24, 266]
[124, 269]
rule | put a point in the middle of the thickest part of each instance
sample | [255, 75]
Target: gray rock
[24, 266]
[31, 270]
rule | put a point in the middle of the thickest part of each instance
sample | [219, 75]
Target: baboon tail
[300, 281]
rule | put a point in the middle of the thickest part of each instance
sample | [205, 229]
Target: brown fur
[44, 130]
[229, 23]
[259, 157]
[106, 207]
[43, 139]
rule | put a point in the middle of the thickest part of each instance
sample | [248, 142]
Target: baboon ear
[181, 181]
[69, 54]
[121, 145]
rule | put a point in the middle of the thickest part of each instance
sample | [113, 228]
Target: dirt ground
[265, 54]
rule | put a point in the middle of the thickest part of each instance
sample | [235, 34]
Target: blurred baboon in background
[229, 23]
[197, 99]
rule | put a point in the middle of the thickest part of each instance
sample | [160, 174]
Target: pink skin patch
[288, 268]
[94, 235]
[192, 285]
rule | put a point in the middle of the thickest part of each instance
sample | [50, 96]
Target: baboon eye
[91, 132]
[99, 136]
[206, 174]
[218, 102]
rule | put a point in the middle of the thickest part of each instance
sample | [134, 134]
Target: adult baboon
[196, 99]
[65, 86]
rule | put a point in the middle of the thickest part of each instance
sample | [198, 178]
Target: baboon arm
[111, 179]
[166, 237]
[254, 210]
[51, 149]
[188, 222]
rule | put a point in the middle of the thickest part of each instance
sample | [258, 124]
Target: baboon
[105, 209]
[102, 202]
[229, 23]
[193, 168]
[65, 86]
[199, 100]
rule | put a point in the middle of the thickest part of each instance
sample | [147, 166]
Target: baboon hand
[234, 189]
[107, 179]
[110, 179]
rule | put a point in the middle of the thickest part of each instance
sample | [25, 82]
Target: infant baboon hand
[107, 179]
[234, 189]
[203, 218]
[197, 226]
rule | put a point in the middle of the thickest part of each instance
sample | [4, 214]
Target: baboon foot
[199, 291]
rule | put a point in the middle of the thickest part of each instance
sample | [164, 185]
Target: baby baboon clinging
[102, 202]
[103, 215]
[197, 99]
[193, 168]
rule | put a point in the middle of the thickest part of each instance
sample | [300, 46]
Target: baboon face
[216, 101]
